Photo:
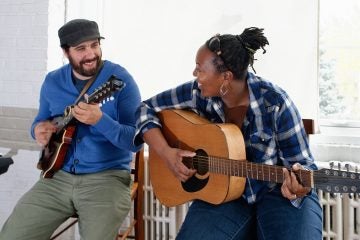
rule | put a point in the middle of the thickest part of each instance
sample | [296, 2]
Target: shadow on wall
[15, 134]
[15, 128]
[20, 156]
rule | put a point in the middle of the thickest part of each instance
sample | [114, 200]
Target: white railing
[341, 215]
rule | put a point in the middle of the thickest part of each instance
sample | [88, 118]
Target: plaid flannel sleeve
[180, 97]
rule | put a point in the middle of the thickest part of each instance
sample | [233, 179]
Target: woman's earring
[223, 90]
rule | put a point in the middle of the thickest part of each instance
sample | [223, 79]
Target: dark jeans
[273, 217]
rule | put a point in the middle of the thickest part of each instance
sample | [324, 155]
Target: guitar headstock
[337, 181]
[105, 91]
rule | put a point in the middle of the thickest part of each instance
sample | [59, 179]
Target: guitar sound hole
[201, 162]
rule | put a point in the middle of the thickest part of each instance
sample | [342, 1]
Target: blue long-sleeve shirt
[109, 143]
[273, 130]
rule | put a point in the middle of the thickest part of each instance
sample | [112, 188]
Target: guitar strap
[88, 84]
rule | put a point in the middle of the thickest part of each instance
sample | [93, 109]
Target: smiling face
[85, 58]
[209, 79]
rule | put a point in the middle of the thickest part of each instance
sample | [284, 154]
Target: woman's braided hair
[236, 52]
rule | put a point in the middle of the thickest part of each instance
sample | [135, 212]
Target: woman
[224, 91]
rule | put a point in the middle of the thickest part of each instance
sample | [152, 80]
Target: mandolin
[53, 154]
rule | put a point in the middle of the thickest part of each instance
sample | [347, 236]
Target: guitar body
[221, 168]
[53, 155]
[186, 130]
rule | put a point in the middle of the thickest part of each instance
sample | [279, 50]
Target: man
[94, 181]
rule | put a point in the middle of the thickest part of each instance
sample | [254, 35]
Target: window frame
[333, 127]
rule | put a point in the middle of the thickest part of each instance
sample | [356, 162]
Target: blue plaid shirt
[273, 130]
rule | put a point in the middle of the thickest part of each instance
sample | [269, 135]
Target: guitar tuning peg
[112, 98]
[347, 167]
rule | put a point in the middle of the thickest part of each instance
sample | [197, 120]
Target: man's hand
[87, 113]
[43, 132]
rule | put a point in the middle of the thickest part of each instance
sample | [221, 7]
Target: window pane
[339, 60]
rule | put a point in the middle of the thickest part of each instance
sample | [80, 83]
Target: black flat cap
[77, 31]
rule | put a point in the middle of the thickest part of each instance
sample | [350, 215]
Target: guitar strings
[239, 168]
[244, 168]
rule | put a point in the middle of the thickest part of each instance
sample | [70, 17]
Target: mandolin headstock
[104, 92]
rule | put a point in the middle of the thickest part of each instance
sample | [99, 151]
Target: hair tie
[238, 37]
[245, 45]
[214, 44]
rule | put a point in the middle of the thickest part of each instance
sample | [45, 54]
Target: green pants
[101, 200]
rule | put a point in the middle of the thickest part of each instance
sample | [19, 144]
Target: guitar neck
[251, 170]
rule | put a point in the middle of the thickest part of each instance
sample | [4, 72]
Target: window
[339, 63]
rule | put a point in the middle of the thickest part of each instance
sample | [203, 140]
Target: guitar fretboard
[243, 168]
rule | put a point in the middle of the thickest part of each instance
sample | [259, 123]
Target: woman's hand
[171, 156]
[173, 159]
[291, 188]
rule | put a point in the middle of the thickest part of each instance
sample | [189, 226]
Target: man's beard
[85, 72]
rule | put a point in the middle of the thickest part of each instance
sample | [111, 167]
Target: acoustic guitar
[221, 164]
[53, 154]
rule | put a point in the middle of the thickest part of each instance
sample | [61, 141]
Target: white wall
[157, 40]
[23, 50]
